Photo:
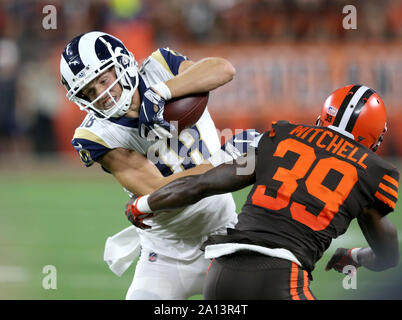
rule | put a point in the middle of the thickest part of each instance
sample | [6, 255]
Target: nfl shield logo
[152, 257]
[332, 111]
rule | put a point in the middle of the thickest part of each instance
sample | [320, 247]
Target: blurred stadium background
[289, 55]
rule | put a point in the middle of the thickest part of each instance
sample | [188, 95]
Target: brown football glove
[341, 258]
[135, 216]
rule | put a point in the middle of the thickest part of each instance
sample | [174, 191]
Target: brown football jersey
[310, 183]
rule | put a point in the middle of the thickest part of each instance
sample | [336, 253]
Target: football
[186, 110]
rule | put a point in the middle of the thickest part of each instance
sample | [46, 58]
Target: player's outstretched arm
[382, 238]
[139, 175]
[189, 190]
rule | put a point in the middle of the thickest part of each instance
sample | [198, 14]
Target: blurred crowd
[29, 83]
[270, 20]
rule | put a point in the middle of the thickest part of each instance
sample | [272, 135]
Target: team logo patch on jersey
[86, 157]
[152, 257]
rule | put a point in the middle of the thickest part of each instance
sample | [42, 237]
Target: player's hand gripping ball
[151, 124]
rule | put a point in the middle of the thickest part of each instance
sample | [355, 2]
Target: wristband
[142, 204]
[353, 254]
[163, 90]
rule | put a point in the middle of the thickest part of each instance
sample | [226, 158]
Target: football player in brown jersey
[309, 183]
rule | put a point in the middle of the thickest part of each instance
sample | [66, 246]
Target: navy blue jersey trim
[141, 87]
[125, 121]
[172, 60]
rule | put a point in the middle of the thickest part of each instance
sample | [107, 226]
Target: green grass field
[55, 215]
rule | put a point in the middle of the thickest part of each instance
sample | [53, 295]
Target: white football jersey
[94, 137]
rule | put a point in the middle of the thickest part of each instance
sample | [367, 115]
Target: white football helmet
[85, 58]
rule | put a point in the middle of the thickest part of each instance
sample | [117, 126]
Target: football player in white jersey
[126, 134]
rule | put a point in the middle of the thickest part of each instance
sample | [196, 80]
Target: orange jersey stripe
[385, 200]
[391, 191]
[293, 282]
[306, 289]
[391, 180]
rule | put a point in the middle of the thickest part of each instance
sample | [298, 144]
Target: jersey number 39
[320, 169]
